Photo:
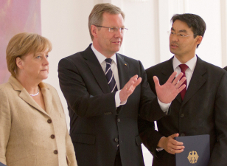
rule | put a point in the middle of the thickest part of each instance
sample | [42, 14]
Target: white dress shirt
[189, 71]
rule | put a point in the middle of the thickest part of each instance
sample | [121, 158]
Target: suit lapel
[197, 80]
[23, 94]
[167, 70]
[47, 97]
[122, 70]
[96, 69]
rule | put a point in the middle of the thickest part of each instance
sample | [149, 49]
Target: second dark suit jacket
[97, 127]
[203, 111]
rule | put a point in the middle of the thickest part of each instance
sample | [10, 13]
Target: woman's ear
[19, 63]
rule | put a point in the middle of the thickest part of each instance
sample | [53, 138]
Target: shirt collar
[101, 57]
[191, 63]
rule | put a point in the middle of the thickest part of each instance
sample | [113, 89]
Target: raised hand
[167, 92]
[129, 87]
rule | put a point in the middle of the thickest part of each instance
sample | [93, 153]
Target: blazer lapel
[96, 69]
[167, 70]
[23, 94]
[47, 97]
[122, 70]
[197, 80]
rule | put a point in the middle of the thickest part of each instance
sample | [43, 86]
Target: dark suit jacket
[203, 111]
[225, 68]
[97, 127]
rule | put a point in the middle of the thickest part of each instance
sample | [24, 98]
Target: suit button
[52, 136]
[118, 119]
[116, 140]
[55, 151]
[49, 121]
[182, 115]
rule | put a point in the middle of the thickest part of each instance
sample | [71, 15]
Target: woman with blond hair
[33, 130]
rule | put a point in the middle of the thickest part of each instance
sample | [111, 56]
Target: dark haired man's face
[182, 42]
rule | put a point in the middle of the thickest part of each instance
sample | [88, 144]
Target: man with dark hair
[201, 108]
[105, 91]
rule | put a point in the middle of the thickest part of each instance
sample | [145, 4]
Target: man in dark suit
[105, 91]
[201, 108]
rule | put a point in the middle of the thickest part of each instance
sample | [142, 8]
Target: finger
[179, 83]
[178, 151]
[138, 81]
[181, 88]
[174, 151]
[134, 85]
[172, 77]
[178, 78]
[156, 81]
[174, 142]
[130, 82]
[174, 135]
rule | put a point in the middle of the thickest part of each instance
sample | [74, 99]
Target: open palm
[167, 92]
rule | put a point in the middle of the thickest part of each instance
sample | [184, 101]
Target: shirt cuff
[164, 106]
[118, 102]
[159, 149]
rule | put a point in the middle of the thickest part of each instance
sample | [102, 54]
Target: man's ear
[19, 63]
[94, 30]
[199, 39]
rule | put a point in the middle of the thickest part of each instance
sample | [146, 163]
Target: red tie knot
[183, 67]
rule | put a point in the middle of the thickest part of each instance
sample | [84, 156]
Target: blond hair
[96, 15]
[22, 44]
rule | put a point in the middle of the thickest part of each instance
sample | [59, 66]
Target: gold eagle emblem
[193, 157]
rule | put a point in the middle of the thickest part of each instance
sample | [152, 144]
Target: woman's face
[34, 66]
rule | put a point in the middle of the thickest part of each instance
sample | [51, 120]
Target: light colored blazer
[30, 136]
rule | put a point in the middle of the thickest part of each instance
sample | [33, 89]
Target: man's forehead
[180, 26]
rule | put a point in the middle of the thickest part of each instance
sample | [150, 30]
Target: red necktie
[183, 68]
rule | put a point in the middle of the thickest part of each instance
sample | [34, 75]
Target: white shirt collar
[101, 57]
[191, 63]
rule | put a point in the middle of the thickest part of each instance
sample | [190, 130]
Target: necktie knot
[108, 60]
[183, 67]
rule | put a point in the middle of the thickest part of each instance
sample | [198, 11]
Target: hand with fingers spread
[129, 87]
[171, 145]
[167, 92]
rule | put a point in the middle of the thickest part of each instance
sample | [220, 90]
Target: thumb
[156, 81]
[175, 135]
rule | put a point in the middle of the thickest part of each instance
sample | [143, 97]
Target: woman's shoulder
[51, 88]
[5, 87]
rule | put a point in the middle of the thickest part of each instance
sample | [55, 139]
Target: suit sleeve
[218, 155]
[5, 125]
[77, 95]
[148, 134]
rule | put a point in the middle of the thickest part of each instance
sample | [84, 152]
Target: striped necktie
[109, 76]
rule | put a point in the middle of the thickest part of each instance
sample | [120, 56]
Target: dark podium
[196, 152]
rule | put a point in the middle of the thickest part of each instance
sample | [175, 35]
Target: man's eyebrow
[183, 30]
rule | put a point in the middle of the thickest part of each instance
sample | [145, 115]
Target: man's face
[108, 43]
[182, 41]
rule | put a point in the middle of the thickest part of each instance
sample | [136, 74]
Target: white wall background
[65, 24]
